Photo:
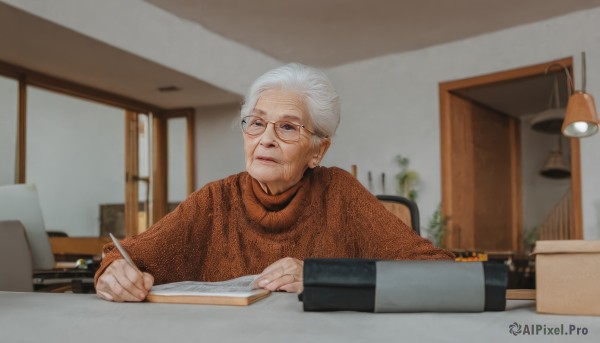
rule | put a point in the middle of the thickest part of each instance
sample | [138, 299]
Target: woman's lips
[266, 159]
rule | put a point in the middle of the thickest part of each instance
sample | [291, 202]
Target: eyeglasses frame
[275, 130]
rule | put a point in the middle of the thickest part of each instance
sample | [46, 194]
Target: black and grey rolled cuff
[403, 286]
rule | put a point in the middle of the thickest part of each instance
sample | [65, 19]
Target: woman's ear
[320, 151]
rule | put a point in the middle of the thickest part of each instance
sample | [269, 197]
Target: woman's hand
[283, 275]
[122, 282]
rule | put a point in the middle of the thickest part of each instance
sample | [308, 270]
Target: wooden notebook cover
[233, 300]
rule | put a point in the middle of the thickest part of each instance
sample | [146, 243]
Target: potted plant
[436, 227]
[407, 180]
[530, 237]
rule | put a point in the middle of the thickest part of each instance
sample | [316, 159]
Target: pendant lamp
[550, 121]
[581, 119]
[555, 166]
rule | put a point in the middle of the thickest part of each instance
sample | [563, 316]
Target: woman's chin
[264, 174]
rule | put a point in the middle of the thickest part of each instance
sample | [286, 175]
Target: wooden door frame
[445, 89]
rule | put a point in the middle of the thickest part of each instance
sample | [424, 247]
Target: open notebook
[240, 292]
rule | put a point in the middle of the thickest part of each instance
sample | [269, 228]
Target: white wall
[590, 166]
[219, 143]
[177, 139]
[9, 97]
[75, 156]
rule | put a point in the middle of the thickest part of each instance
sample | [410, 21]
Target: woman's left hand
[283, 275]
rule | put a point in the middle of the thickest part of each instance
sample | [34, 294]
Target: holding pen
[124, 281]
[122, 251]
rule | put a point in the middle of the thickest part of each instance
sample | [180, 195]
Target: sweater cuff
[109, 257]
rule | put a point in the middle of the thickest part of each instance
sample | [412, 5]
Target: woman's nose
[268, 137]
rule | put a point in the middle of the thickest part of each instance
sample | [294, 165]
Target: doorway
[482, 157]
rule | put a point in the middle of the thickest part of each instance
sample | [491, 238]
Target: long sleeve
[380, 233]
[171, 250]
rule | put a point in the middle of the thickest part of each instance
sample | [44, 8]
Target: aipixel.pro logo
[516, 329]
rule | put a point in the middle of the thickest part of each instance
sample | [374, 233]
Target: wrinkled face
[276, 164]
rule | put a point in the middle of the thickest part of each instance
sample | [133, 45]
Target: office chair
[21, 203]
[56, 234]
[15, 258]
[403, 208]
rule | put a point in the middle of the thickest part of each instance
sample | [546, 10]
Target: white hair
[321, 99]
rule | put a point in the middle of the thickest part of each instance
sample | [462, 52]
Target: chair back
[15, 258]
[403, 208]
[21, 202]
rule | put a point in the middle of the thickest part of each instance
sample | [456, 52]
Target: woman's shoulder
[216, 188]
[228, 183]
[333, 174]
[335, 177]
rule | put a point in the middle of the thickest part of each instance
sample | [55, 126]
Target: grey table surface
[47, 317]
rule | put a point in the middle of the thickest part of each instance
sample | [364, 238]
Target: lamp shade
[549, 121]
[555, 167]
[581, 119]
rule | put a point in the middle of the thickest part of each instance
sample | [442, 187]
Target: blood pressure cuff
[403, 286]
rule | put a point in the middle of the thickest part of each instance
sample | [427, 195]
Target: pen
[123, 252]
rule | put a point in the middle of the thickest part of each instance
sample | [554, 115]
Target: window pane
[9, 100]
[177, 159]
[75, 156]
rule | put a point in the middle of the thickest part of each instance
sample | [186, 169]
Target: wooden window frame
[160, 167]
[132, 108]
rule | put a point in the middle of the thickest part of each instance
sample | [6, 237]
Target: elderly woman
[282, 209]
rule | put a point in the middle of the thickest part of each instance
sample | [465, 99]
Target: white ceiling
[327, 33]
[42, 46]
[317, 32]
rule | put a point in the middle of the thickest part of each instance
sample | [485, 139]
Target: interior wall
[390, 105]
[540, 194]
[177, 142]
[75, 157]
[590, 166]
[219, 143]
[9, 99]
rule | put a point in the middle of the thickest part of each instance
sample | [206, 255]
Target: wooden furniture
[90, 246]
[403, 208]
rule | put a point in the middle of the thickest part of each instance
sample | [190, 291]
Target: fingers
[285, 274]
[148, 281]
[122, 282]
[286, 283]
[104, 295]
[295, 287]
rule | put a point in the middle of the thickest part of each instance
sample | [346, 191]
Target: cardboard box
[568, 277]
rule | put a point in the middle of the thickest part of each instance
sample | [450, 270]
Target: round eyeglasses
[284, 130]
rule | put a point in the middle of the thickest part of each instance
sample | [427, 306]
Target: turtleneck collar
[275, 213]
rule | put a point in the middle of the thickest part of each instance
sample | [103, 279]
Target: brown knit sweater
[231, 227]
